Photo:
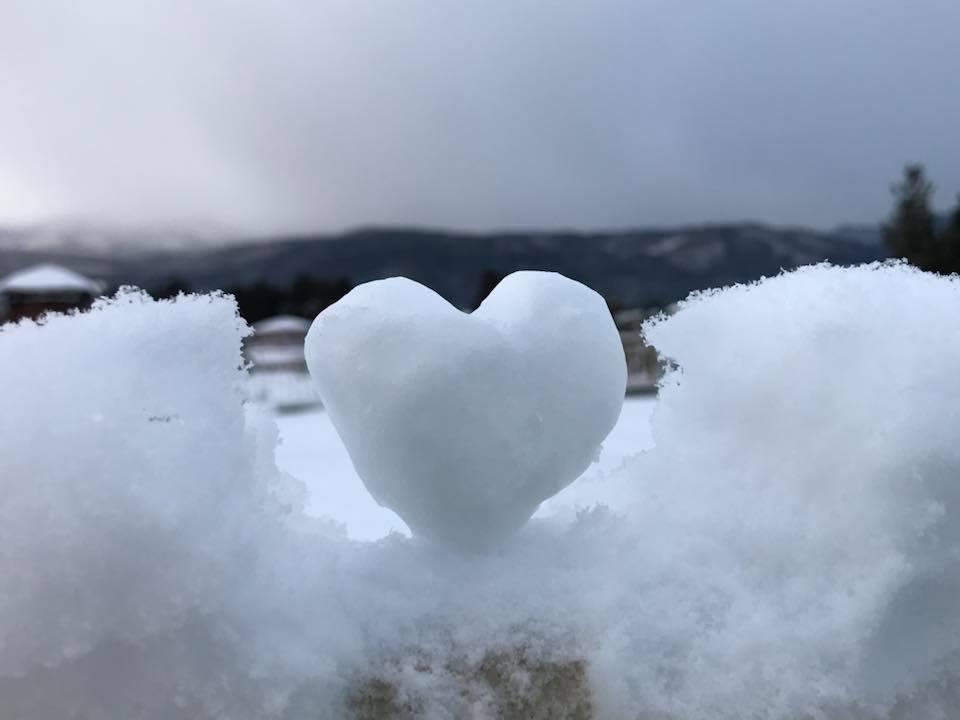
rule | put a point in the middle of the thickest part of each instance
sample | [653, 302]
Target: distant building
[278, 367]
[643, 362]
[41, 289]
[277, 344]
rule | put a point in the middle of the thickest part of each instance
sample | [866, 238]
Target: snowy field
[789, 547]
[311, 451]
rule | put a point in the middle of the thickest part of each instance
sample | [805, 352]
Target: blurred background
[287, 151]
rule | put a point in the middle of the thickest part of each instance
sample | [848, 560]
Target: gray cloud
[265, 116]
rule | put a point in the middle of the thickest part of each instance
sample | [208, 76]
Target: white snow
[48, 278]
[311, 451]
[126, 466]
[461, 423]
[788, 549]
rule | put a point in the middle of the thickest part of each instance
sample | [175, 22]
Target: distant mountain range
[629, 267]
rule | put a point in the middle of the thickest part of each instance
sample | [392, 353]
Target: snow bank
[122, 430]
[134, 496]
[807, 476]
[787, 550]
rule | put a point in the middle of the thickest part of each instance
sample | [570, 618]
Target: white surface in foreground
[789, 549]
[312, 452]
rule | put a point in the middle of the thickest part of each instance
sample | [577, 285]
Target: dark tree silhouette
[172, 287]
[950, 241]
[489, 279]
[306, 297]
[911, 232]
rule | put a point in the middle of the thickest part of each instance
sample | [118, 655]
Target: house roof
[282, 323]
[49, 278]
[272, 355]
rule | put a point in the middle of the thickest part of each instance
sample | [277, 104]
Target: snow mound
[788, 550]
[126, 467]
[808, 477]
[460, 423]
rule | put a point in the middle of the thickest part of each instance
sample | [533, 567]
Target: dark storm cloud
[292, 115]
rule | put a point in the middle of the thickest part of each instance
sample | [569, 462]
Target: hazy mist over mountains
[629, 267]
[90, 237]
[230, 144]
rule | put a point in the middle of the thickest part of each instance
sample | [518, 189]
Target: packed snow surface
[464, 423]
[788, 549]
[311, 451]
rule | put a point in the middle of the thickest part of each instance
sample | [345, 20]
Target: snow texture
[464, 423]
[787, 550]
[311, 451]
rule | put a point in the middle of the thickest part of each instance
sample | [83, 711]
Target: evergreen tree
[950, 241]
[911, 232]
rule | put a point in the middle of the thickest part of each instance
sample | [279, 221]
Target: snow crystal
[787, 550]
[463, 424]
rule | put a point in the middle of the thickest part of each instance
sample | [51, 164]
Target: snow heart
[461, 423]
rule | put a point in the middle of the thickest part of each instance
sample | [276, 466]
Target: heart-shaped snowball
[461, 423]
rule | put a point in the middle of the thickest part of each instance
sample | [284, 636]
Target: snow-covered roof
[48, 278]
[275, 355]
[282, 323]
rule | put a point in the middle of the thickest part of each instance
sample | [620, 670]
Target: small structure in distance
[643, 363]
[277, 344]
[278, 369]
[41, 289]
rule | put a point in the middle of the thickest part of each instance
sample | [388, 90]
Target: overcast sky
[264, 115]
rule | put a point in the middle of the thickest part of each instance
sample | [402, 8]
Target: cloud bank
[268, 117]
